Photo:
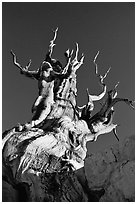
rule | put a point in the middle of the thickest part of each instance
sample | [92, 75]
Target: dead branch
[92, 98]
[96, 65]
[17, 64]
[75, 63]
[115, 94]
[68, 56]
[108, 106]
[52, 44]
[101, 78]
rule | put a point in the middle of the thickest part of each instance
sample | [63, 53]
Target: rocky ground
[108, 175]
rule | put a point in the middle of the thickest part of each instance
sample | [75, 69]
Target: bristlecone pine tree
[41, 157]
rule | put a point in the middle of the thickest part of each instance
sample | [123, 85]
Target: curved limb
[112, 100]
[111, 95]
[104, 129]
[101, 78]
[107, 107]
[115, 100]
[101, 122]
[54, 62]
[25, 71]
[105, 126]
[92, 98]
[15, 61]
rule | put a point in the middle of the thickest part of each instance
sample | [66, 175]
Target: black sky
[107, 27]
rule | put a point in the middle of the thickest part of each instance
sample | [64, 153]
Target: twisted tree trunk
[42, 157]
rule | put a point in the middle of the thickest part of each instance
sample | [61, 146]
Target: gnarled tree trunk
[42, 159]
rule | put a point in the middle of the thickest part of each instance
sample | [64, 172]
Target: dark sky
[107, 27]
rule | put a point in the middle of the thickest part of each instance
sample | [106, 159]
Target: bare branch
[69, 56]
[103, 77]
[80, 62]
[104, 125]
[77, 49]
[103, 129]
[96, 66]
[75, 63]
[28, 65]
[82, 59]
[71, 52]
[17, 64]
[115, 100]
[52, 44]
[15, 60]
[107, 108]
[116, 85]
[75, 60]
[92, 98]
[115, 94]
[112, 100]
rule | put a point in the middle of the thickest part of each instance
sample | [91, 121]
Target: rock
[107, 176]
[127, 149]
[97, 171]
[112, 171]
[122, 184]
